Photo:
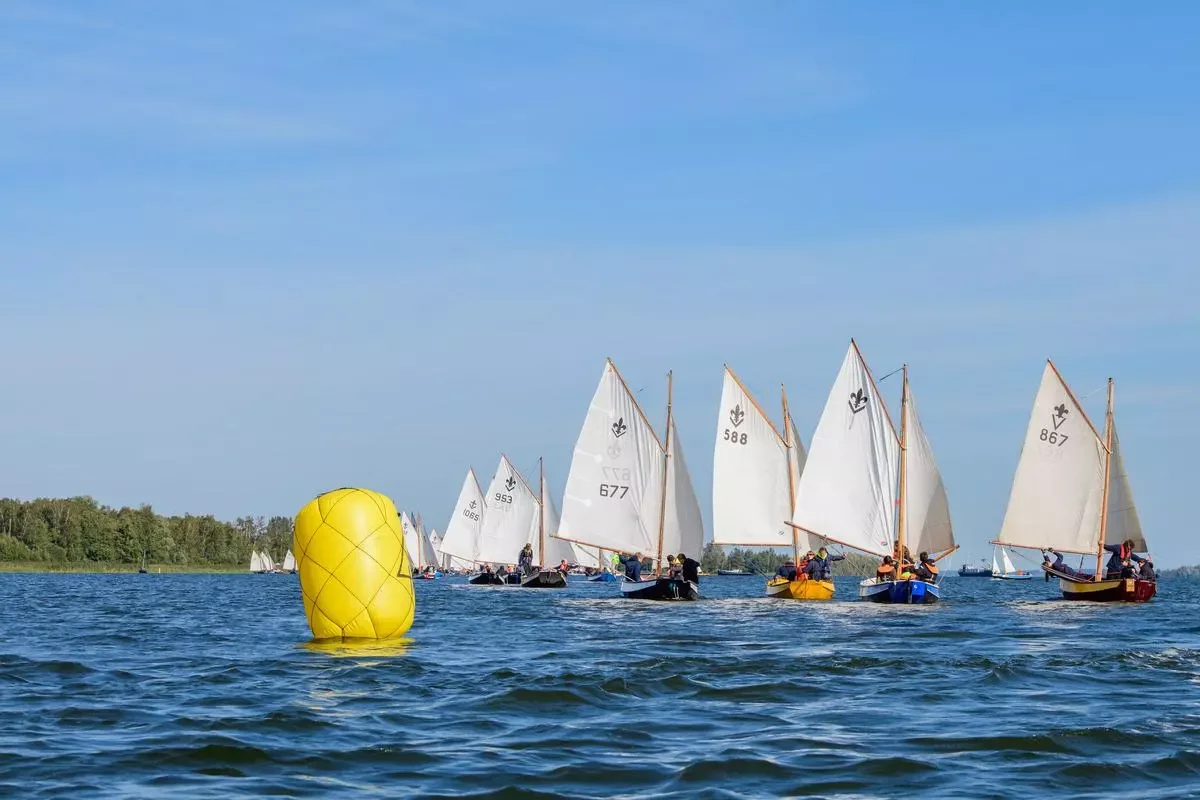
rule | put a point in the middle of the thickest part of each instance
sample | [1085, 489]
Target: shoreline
[98, 568]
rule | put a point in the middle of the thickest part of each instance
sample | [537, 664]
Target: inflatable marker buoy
[354, 574]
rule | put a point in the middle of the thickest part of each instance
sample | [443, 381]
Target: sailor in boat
[1062, 567]
[926, 570]
[689, 568]
[632, 565]
[788, 570]
[887, 570]
[1119, 563]
[820, 568]
[802, 567]
[564, 567]
[674, 570]
[1146, 572]
[525, 559]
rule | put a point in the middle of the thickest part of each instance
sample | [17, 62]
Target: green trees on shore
[765, 562]
[78, 529]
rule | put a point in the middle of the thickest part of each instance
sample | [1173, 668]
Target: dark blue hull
[899, 592]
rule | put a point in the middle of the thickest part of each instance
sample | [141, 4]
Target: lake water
[207, 686]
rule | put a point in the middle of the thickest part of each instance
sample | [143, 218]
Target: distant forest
[1192, 572]
[765, 562]
[79, 529]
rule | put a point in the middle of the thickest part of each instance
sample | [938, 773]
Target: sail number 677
[1052, 437]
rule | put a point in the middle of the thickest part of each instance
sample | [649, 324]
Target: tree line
[765, 562]
[78, 529]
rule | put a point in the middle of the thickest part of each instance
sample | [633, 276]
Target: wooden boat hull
[660, 589]
[545, 579]
[1116, 590]
[783, 589]
[486, 579]
[910, 592]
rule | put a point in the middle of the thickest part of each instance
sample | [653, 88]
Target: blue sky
[254, 252]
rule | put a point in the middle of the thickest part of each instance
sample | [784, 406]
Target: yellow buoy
[354, 574]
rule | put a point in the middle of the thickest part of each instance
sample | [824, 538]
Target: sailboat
[289, 563]
[412, 541]
[548, 552]
[868, 488]
[628, 492]
[516, 517]
[1004, 569]
[460, 544]
[1071, 493]
[142, 569]
[755, 473]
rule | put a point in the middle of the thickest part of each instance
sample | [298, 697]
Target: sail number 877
[1050, 436]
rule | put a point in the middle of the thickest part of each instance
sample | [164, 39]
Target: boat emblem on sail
[858, 401]
[619, 427]
[511, 483]
[614, 450]
[473, 503]
[737, 415]
[1060, 415]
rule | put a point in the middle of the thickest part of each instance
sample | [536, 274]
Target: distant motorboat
[982, 571]
[742, 572]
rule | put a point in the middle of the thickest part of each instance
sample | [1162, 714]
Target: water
[207, 686]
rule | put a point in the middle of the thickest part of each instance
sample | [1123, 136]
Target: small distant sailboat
[289, 563]
[629, 492]
[257, 564]
[412, 542]
[142, 569]
[460, 544]
[755, 474]
[1071, 493]
[867, 487]
[1004, 569]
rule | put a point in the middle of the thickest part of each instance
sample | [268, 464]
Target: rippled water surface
[208, 686]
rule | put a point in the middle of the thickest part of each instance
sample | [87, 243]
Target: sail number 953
[1050, 436]
[734, 437]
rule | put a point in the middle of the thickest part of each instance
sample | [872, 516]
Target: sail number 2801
[1052, 437]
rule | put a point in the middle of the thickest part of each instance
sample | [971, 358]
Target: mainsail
[848, 491]
[412, 540]
[429, 554]
[927, 512]
[1123, 522]
[751, 492]
[512, 516]
[1009, 569]
[256, 564]
[613, 494]
[462, 532]
[1057, 492]
[289, 562]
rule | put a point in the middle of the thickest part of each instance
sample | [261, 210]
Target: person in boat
[887, 570]
[1119, 562]
[564, 567]
[632, 565]
[1061, 566]
[802, 567]
[689, 568]
[820, 568]
[1146, 571]
[525, 560]
[926, 569]
[788, 570]
[674, 571]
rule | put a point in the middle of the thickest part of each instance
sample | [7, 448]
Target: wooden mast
[662, 508]
[542, 513]
[902, 517]
[789, 444]
[1108, 426]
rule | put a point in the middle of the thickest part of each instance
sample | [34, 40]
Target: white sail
[798, 458]
[995, 564]
[412, 541]
[927, 511]
[751, 497]
[1123, 522]
[848, 490]
[1058, 487]
[289, 562]
[1009, 569]
[557, 550]
[511, 520]
[613, 491]
[255, 561]
[462, 532]
[429, 554]
[683, 527]
[587, 556]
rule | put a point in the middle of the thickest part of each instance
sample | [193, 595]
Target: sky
[254, 252]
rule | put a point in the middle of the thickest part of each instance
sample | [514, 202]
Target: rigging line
[890, 374]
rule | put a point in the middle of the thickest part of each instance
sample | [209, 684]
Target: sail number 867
[1050, 436]
[734, 437]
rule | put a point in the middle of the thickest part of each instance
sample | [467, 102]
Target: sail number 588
[1052, 437]
[735, 437]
